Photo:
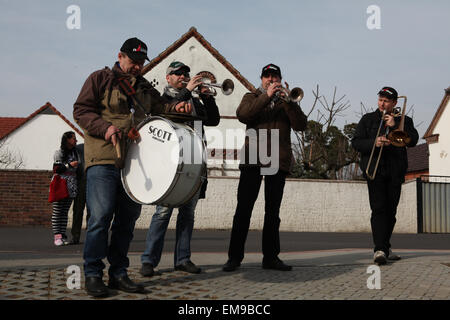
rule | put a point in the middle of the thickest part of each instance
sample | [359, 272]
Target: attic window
[208, 75]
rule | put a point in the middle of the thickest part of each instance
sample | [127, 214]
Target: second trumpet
[227, 87]
[294, 95]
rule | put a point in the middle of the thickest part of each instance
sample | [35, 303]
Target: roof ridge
[192, 32]
[38, 111]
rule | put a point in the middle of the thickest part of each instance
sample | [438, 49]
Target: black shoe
[124, 283]
[188, 267]
[74, 241]
[231, 265]
[276, 264]
[95, 287]
[147, 270]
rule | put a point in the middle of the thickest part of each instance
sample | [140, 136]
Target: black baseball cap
[135, 49]
[389, 93]
[271, 68]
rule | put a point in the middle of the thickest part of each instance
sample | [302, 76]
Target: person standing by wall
[66, 162]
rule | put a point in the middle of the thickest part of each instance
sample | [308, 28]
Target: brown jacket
[102, 103]
[255, 111]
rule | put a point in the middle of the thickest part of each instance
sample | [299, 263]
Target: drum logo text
[159, 134]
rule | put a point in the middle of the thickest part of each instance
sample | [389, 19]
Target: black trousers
[248, 189]
[384, 195]
[79, 204]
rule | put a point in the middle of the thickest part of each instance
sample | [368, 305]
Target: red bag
[58, 189]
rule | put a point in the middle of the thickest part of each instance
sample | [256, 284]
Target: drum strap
[131, 93]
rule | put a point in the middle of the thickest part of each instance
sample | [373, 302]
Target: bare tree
[323, 150]
[9, 159]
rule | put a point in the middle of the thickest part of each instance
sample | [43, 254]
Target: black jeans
[384, 196]
[249, 185]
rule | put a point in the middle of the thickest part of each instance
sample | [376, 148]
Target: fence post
[419, 205]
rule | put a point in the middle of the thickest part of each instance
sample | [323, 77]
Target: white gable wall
[38, 139]
[193, 54]
[198, 58]
[440, 151]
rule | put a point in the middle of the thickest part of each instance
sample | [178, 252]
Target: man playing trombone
[383, 163]
[179, 88]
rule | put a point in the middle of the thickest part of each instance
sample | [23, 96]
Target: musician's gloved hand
[183, 107]
[112, 134]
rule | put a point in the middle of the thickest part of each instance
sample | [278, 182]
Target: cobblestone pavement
[318, 275]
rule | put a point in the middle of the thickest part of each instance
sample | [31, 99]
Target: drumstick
[119, 154]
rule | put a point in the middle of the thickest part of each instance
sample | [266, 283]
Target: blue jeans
[158, 227]
[106, 199]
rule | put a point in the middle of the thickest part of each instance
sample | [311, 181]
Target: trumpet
[227, 87]
[294, 95]
[398, 137]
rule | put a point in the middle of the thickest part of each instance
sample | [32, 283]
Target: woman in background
[65, 164]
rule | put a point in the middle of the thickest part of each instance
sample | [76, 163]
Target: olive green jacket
[102, 103]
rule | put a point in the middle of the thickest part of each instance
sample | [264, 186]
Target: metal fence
[433, 204]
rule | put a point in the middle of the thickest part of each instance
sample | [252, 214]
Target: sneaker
[58, 240]
[147, 270]
[276, 264]
[188, 267]
[392, 256]
[379, 257]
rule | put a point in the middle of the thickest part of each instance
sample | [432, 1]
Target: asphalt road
[28, 242]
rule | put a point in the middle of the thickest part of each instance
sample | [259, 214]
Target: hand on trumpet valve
[183, 107]
[382, 141]
[389, 120]
[194, 83]
[273, 89]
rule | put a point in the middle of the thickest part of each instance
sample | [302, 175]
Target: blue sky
[314, 42]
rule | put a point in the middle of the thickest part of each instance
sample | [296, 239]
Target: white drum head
[151, 163]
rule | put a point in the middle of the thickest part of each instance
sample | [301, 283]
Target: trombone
[398, 137]
[227, 87]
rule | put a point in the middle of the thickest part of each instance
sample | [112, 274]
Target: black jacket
[207, 111]
[394, 160]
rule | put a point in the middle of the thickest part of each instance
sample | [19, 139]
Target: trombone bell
[399, 138]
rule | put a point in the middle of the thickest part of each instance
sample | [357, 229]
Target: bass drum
[166, 165]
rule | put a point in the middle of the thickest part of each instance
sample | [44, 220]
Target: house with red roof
[33, 140]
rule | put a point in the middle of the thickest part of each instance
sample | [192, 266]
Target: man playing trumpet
[179, 88]
[266, 109]
[386, 182]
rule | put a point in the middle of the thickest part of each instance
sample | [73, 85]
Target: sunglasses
[181, 72]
